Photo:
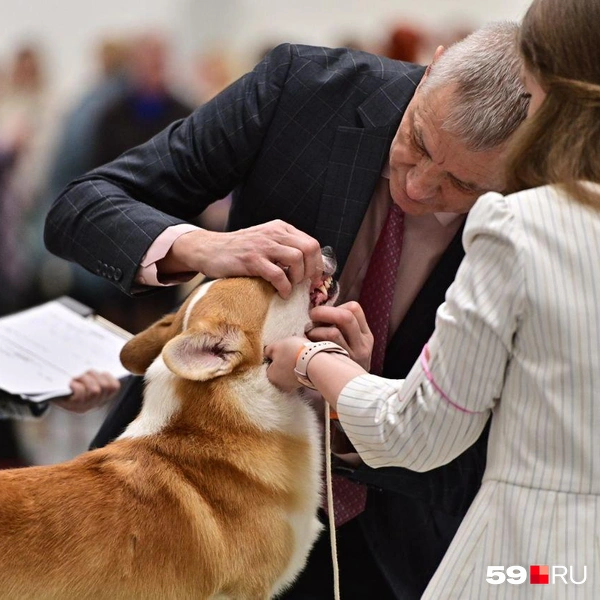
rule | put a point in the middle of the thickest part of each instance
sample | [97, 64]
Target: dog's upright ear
[207, 351]
[139, 352]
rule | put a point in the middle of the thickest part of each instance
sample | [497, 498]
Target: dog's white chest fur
[273, 410]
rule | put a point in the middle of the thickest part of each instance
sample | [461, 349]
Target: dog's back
[211, 492]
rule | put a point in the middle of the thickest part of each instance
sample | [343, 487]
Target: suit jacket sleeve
[14, 408]
[107, 219]
[450, 488]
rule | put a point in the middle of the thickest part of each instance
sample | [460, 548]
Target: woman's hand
[90, 390]
[282, 355]
[345, 325]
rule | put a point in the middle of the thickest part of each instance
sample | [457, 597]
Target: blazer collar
[388, 103]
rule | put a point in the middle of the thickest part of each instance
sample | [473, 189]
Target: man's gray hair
[489, 101]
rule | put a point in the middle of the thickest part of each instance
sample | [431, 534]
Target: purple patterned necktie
[377, 292]
[376, 298]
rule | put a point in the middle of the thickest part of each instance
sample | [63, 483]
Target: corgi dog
[211, 492]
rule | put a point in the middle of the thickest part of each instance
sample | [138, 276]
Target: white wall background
[67, 29]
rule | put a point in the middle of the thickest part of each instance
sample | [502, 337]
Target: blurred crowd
[44, 146]
[133, 91]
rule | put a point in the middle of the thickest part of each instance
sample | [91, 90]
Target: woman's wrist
[305, 355]
[330, 373]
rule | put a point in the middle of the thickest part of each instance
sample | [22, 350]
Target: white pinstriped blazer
[519, 337]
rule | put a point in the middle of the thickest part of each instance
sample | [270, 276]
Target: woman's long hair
[560, 144]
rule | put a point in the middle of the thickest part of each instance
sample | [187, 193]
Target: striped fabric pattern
[519, 337]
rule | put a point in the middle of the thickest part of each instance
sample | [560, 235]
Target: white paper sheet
[43, 348]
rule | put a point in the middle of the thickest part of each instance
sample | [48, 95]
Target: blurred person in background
[11, 284]
[24, 121]
[147, 104]
[13, 274]
[212, 72]
[144, 107]
[323, 142]
[26, 129]
[404, 43]
[73, 155]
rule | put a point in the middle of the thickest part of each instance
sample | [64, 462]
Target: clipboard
[44, 347]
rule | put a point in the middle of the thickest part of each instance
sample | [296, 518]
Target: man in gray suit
[315, 144]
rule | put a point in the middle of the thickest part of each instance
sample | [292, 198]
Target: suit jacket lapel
[355, 165]
[356, 161]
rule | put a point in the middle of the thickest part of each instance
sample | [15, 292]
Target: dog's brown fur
[214, 498]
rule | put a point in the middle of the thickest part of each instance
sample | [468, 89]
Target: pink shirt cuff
[148, 273]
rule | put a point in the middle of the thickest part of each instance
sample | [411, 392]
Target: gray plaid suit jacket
[302, 138]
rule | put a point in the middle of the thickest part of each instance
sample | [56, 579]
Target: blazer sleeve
[440, 410]
[107, 219]
[14, 408]
[450, 488]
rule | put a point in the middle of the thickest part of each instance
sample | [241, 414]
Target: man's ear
[205, 354]
[139, 352]
[436, 56]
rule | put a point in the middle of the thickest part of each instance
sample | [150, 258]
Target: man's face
[432, 170]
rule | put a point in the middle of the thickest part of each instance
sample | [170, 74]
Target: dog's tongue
[317, 298]
[319, 291]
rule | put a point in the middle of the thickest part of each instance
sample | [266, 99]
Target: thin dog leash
[330, 509]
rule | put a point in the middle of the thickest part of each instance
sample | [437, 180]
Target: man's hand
[90, 390]
[345, 325]
[275, 251]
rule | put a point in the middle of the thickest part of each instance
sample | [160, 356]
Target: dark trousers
[11, 455]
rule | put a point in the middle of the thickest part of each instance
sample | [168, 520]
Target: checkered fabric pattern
[302, 138]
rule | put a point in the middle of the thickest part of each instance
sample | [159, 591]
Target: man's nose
[423, 181]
